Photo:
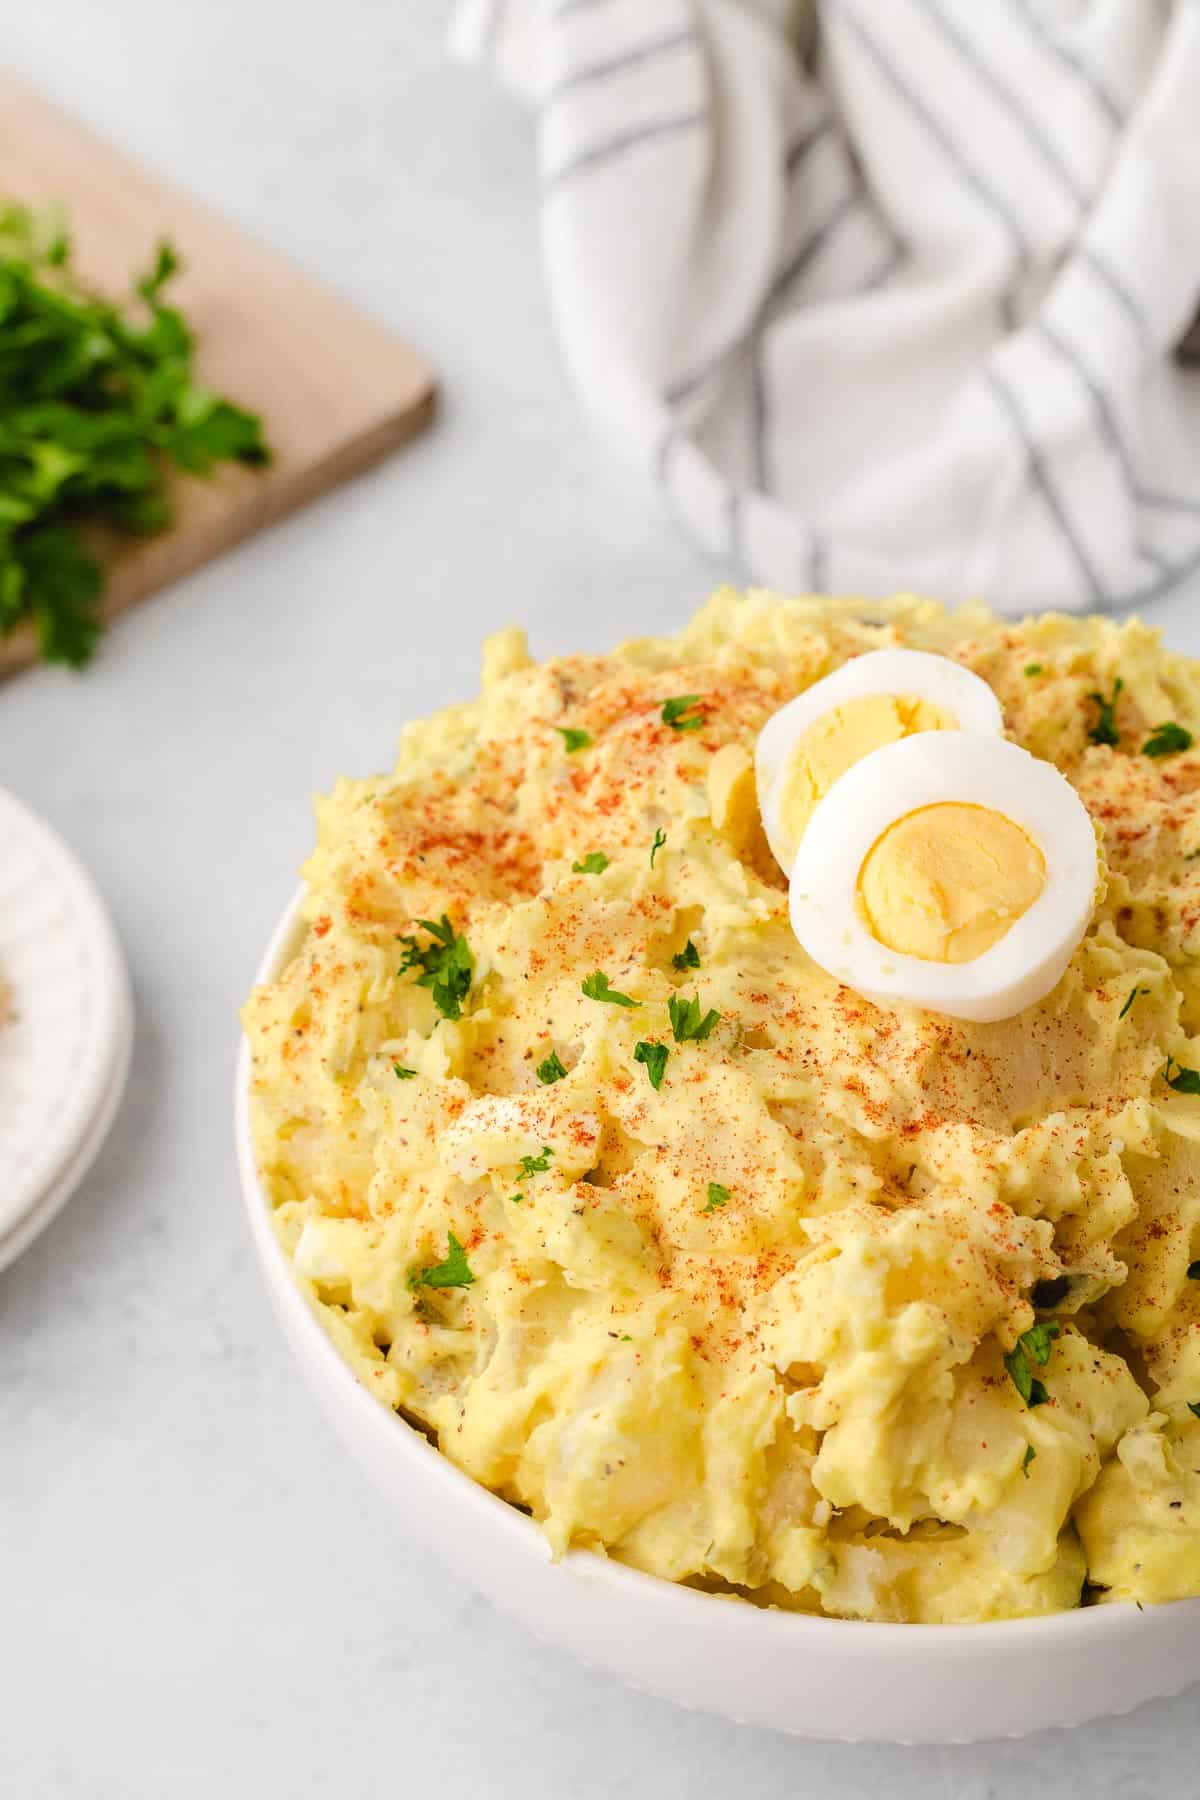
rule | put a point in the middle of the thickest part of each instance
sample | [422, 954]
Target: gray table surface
[197, 1596]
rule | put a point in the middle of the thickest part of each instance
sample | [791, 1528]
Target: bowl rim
[1012, 1639]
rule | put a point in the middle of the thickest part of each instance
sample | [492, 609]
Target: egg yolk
[840, 738]
[946, 882]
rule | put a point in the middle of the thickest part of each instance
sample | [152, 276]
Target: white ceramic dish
[65, 1046]
[823, 1678]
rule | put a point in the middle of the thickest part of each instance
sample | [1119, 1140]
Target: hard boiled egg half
[880, 698]
[949, 870]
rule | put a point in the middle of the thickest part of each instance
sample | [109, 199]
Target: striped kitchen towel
[882, 293]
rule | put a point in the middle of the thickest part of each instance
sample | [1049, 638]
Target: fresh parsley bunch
[96, 398]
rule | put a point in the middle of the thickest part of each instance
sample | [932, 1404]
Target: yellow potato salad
[670, 1238]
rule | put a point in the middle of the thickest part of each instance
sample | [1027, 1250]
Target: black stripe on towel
[687, 385]
[933, 127]
[1141, 596]
[631, 58]
[1012, 103]
[1064, 54]
[599, 154]
[1110, 431]
[1120, 293]
[796, 151]
[1041, 480]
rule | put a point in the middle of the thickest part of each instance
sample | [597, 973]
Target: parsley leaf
[551, 1070]
[597, 987]
[403, 1074]
[97, 399]
[1187, 1081]
[686, 1022]
[655, 1058]
[454, 1272]
[536, 1165]
[594, 863]
[1030, 1456]
[1038, 1341]
[1032, 1391]
[717, 1196]
[1104, 731]
[1167, 739]
[166, 264]
[1033, 1346]
[515, 1199]
[678, 713]
[573, 738]
[688, 957]
[52, 580]
[660, 838]
[1033, 668]
[446, 965]
[1132, 997]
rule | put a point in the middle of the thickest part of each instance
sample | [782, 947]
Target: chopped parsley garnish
[1033, 1346]
[403, 1074]
[717, 1196]
[1167, 739]
[678, 713]
[687, 958]
[1193, 1273]
[551, 1070]
[594, 863]
[515, 1199]
[660, 838]
[536, 1165]
[1038, 1341]
[1186, 1081]
[99, 400]
[1193, 1407]
[686, 1021]
[597, 987]
[446, 965]
[1104, 731]
[1034, 669]
[655, 1058]
[454, 1272]
[1030, 1456]
[573, 738]
[1132, 997]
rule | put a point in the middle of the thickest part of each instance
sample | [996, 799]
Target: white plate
[65, 1024]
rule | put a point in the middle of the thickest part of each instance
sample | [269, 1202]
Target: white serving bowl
[811, 1677]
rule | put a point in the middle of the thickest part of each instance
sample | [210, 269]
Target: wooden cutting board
[336, 390]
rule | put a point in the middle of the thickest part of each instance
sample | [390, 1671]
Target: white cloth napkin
[882, 293]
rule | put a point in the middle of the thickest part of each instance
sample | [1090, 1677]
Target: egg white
[926, 770]
[916, 673]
